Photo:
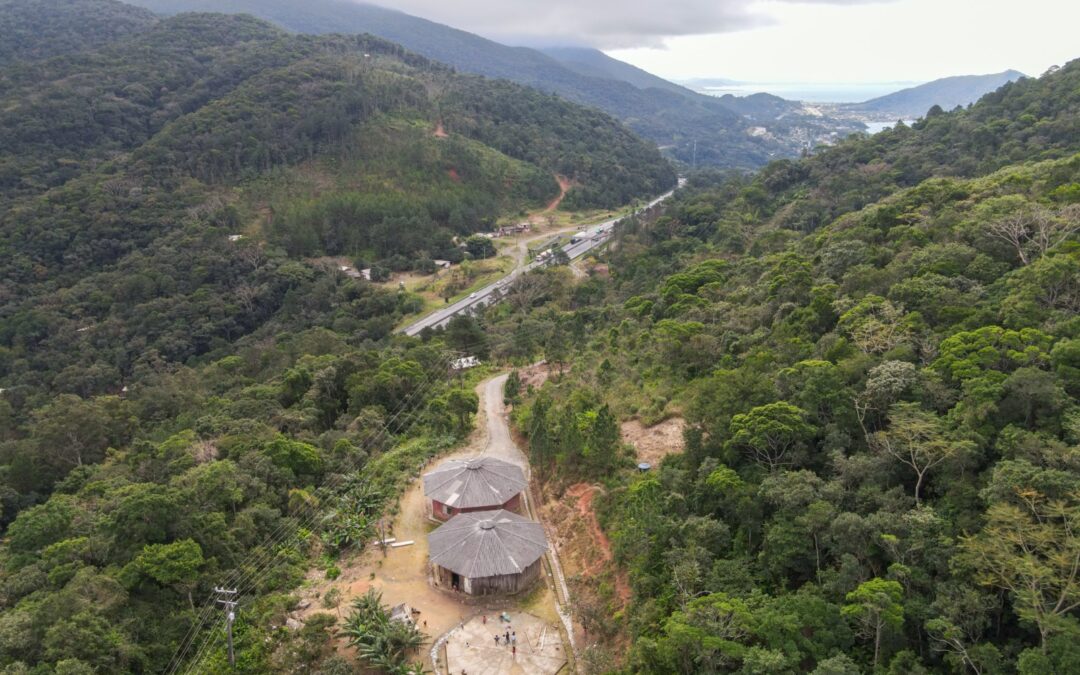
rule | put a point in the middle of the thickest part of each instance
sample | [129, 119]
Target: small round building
[476, 484]
[487, 553]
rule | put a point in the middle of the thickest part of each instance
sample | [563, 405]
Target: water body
[874, 127]
[816, 92]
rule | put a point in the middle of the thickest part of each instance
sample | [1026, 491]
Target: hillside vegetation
[38, 29]
[883, 427]
[190, 393]
[204, 126]
[690, 126]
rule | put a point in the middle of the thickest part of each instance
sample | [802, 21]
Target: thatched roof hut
[488, 552]
[476, 484]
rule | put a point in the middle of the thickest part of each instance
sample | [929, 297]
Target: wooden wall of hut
[443, 512]
[501, 584]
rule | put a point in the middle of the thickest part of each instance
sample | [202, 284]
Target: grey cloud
[598, 23]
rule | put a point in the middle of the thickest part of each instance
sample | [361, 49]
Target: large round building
[476, 484]
[487, 552]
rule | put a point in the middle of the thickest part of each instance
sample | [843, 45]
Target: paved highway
[595, 235]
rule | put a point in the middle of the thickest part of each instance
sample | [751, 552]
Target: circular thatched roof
[474, 483]
[487, 544]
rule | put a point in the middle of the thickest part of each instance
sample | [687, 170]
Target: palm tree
[383, 644]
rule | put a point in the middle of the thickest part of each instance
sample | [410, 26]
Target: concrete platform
[471, 649]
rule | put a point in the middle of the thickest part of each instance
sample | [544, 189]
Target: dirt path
[519, 250]
[440, 131]
[498, 440]
[402, 575]
[564, 187]
[584, 493]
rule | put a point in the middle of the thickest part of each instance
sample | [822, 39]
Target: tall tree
[771, 433]
[1031, 548]
[918, 439]
[875, 606]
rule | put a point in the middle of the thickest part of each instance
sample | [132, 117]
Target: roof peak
[480, 481]
[487, 544]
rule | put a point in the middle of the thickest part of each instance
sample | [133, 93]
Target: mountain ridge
[946, 92]
[690, 126]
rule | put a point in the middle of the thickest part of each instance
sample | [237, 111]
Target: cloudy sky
[789, 40]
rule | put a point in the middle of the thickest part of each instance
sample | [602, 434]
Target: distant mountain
[760, 106]
[948, 92]
[686, 124]
[595, 63]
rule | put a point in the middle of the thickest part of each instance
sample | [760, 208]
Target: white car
[472, 295]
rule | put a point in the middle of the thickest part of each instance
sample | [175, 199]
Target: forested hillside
[690, 126]
[38, 29]
[180, 367]
[207, 125]
[876, 353]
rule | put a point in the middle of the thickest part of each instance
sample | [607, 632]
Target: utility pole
[230, 607]
[695, 154]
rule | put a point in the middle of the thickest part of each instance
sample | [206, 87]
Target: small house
[477, 484]
[402, 614]
[487, 553]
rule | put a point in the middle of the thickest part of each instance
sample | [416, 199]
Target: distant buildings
[507, 230]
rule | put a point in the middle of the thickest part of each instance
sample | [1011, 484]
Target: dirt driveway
[402, 574]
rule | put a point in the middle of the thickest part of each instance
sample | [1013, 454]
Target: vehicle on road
[580, 244]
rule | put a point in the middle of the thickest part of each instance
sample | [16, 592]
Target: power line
[268, 554]
[230, 616]
[258, 569]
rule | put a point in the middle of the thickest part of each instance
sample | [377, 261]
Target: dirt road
[499, 443]
[402, 575]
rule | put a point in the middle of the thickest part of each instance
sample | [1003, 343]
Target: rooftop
[475, 482]
[487, 544]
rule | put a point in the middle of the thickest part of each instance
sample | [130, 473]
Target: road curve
[595, 235]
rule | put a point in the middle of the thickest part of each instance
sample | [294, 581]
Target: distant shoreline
[822, 92]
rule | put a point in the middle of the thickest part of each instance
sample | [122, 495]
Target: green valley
[821, 417]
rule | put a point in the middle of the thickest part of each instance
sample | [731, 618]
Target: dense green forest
[38, 29]
[118, 159]
[689, 125]
[876, 351]
[189, 392]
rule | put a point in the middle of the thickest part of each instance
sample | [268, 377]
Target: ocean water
[820, 92]
[874, 127]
